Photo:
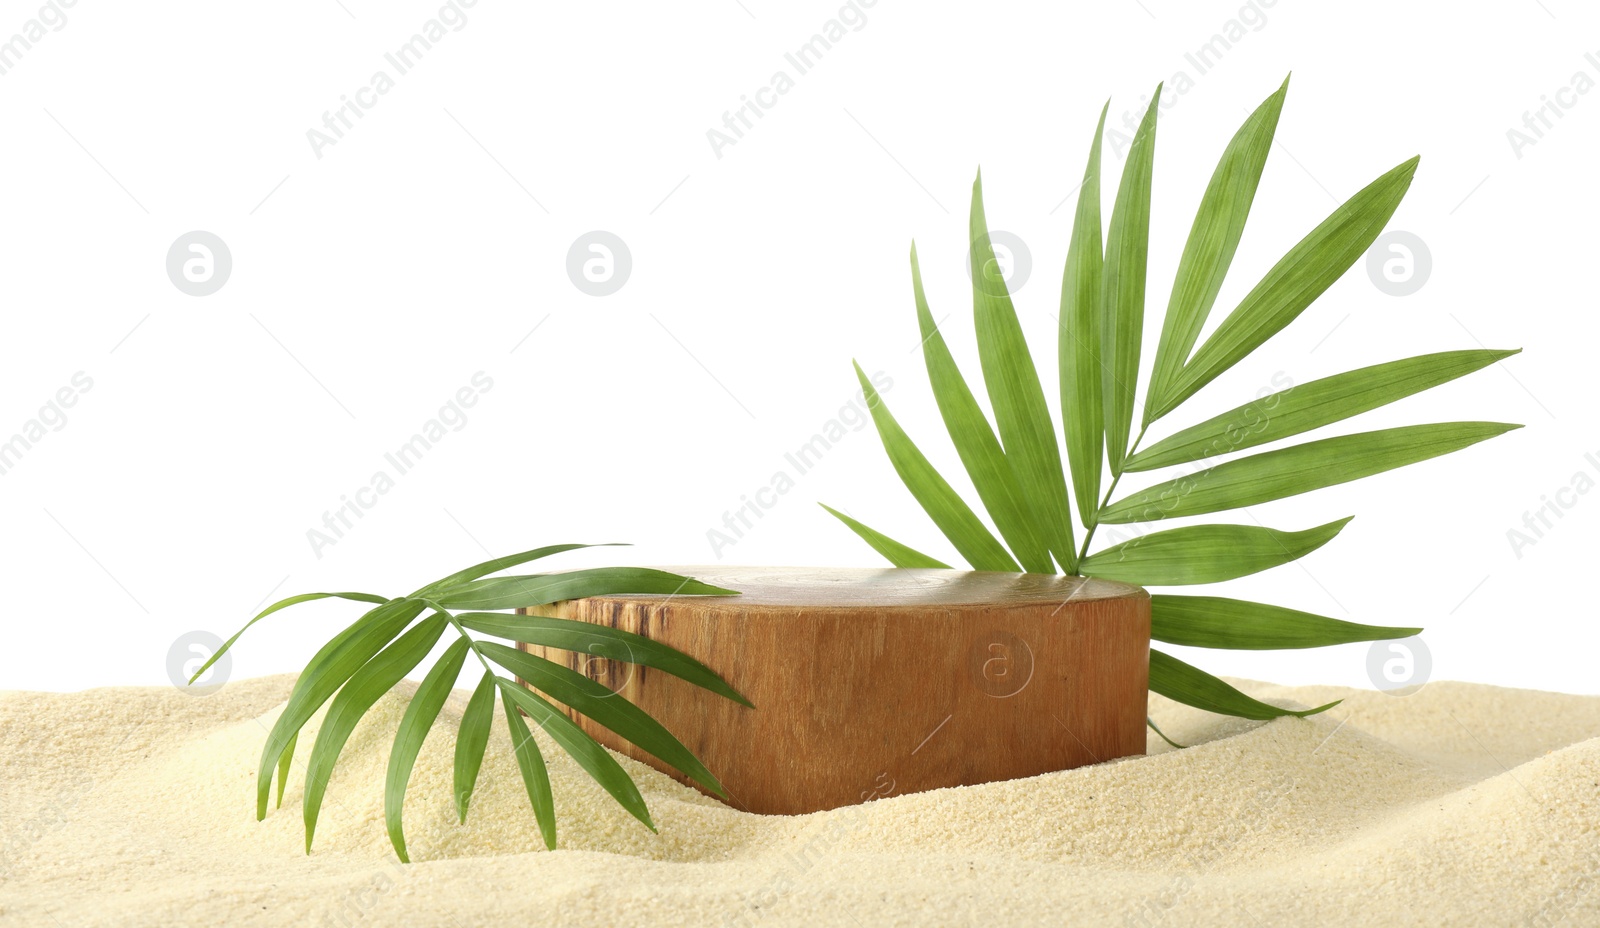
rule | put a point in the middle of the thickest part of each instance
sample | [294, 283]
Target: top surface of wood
[886, 588]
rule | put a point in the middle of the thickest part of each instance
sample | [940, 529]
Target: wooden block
[869, 683]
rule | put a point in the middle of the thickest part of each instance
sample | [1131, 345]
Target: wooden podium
[872, 683]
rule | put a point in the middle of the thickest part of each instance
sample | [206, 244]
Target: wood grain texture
[869, 683]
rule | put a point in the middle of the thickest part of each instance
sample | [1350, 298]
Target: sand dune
[1457, 805]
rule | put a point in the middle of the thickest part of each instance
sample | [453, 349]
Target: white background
[370, 284]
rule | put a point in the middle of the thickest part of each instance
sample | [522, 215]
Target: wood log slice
[872, 683]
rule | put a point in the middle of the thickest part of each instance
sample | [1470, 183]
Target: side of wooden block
[864, 690]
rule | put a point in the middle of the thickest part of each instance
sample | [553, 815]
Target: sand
[1460, 804]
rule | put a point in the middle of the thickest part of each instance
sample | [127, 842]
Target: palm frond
[371, 656]
[1100, 330]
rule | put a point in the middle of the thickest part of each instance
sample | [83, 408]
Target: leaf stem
[1088, 533]
[471, 642]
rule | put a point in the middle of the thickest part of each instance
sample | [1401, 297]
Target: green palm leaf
[1310, 406]
[1294, 282]
[942, 504]
[535, 777]
[282, 604]
[893, 551]
[1213, 239]
[980, 451]
[1100, 331]
[364, 688]
[1297, 469]
[413, 731]
[472, 739]
[1015, 392]
[600, 641]
[367, 659]
[590, 755]
[604, 707]
[1192, 686]
[285, 760]
[1215, 622]
[1205, 553]
[495, 565]
[1127, 256]
[540, 589]
[1078, 343]
[328, 670]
